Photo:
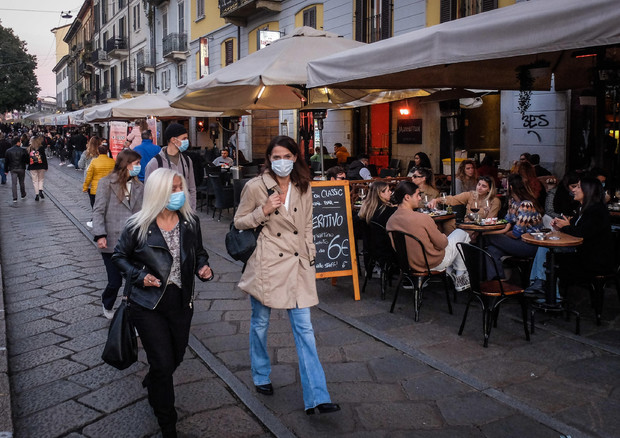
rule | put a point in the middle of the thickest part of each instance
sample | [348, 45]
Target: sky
[31, 21]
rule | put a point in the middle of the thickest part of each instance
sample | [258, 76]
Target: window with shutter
[310, 17]
[373, 20]
[454, 9]
[228, 45]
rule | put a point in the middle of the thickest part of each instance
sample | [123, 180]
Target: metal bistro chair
[417, 279]
[224, 196]
[380, 253]
[491, 294]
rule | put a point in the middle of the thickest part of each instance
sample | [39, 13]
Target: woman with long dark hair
[423, 178]
[119, 197]
[420, 160]
[280, 274]
[524, 216]
[592, 222]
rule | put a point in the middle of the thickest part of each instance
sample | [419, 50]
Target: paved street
[392, 376]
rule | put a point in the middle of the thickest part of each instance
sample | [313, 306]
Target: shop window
[454, 9]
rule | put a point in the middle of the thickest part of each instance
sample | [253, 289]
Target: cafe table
[481, 228]
[555, 241]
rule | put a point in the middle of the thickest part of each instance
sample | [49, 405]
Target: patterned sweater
[524, 217]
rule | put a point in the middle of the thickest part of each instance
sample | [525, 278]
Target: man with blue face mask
[170, 157]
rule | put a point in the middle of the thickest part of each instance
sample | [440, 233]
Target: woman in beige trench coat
[280, 274]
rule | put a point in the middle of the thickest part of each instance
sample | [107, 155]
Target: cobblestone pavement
[392, 377]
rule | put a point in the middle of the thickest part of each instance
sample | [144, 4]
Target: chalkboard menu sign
[332, 228]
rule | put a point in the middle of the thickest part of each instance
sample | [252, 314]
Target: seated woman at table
[561, 199]
[466, 177]
[420, 160]
[524, 216]
[482, 198]
[377, 205]
[595, 255]
[317, 154]
[441, 250]
[423, 178]
[531, 181]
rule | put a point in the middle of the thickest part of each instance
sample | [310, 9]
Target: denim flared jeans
[311, 372]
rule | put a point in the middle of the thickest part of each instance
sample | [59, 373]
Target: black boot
[41, 194]
[36, 198]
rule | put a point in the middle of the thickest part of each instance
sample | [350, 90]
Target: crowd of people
[143, 222]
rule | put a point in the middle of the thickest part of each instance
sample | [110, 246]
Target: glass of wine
[475, 208]
[362, 194]
[443, 201]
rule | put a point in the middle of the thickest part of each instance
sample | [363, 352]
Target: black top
[595, 255]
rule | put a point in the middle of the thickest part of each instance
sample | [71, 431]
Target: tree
[18, 82]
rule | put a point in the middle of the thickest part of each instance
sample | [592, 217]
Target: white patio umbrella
[141, 106]
[485, 51]
[273, 77]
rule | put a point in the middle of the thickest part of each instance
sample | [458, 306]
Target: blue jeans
[76, 158]
[2, 170]
[499, 245]
[538, 266]
[311, 372]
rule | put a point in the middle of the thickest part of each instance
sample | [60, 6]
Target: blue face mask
[184, 145]
[136, 170]
[177, 200]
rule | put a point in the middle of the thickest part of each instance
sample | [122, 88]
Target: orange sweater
[424, 228]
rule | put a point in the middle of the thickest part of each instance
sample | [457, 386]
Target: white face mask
[282, 167]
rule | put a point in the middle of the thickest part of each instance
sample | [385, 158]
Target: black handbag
[121, 348]
[240, 244]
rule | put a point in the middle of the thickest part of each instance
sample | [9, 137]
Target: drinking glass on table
[443, 203]
[475, 208]
[362, 194]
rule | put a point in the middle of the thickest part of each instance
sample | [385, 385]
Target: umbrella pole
[452, 125]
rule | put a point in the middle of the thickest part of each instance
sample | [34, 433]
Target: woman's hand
[151, 281]
[273, 203]
[102, 243]
[205, 272]
[560, 222]
[431, 204]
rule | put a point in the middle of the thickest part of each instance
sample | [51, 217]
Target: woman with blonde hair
[91, 152]
[159, 252]
[466, 177]
[37, 165]
[482, 201]
[377, 206]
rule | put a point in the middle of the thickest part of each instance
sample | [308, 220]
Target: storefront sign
[204, 57]
[409, 131]
[118, 135]
[332, 228]
[266, 37]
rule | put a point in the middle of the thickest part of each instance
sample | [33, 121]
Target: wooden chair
[417, 279]
[380, 253]
[597, 292]
[491, 294]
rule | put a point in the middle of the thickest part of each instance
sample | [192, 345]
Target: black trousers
[164, 333]
[115, 280]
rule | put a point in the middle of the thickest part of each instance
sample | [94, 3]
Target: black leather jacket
[16, 158]
[137, 259]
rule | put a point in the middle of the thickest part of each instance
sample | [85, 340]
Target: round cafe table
[472, 226]
[443, 217]
[553, 240]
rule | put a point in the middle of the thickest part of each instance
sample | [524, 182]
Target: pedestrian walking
[159, 252]
[37, 165]
[91, 152]
[119, 195]
[147, 150]
[171, 157]
[99, 167]
[4, 146]
[280, 274]
[16, 159]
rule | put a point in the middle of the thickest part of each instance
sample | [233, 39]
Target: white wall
[543, 131]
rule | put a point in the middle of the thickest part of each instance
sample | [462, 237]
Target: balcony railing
[174, 42]
[83, 69]
[115, 43]
[99, 57]
[238, 11]
[143, 61]
[125, 85]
